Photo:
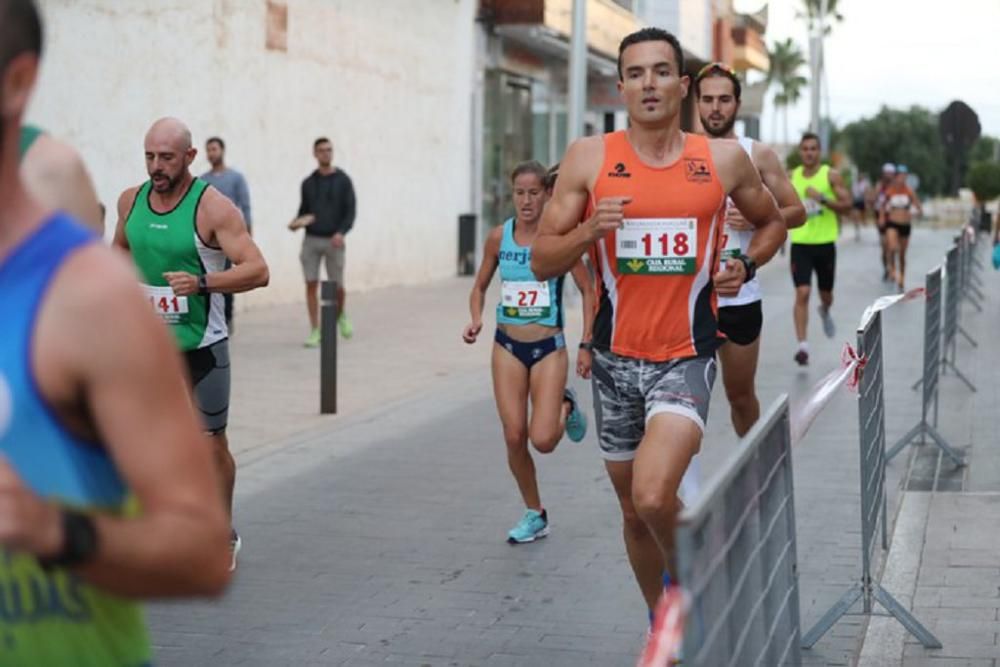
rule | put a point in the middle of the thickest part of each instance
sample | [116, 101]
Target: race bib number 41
[658, 246]
[528, 300]
[166, 304]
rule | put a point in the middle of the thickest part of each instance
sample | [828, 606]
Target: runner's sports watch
[79, 541]
[586, 345]
[203, 284]
[749, 266]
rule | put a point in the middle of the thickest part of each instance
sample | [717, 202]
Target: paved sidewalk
[376, 536]
[945, 554]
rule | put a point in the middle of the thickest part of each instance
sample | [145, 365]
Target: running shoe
[802, 358]
[313, 340]
[235, 544]
[666, 632]
[533, 525]
[576, 420]
[346, 329]
[829, 328]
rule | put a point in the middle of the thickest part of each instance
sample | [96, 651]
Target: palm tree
[812, 11]
[819, 14]
[786, 59]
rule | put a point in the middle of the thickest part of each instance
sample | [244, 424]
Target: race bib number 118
[658, 246]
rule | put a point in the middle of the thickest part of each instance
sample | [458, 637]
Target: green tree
[985, 149]
[909, 137]
[786, 60]
[984, 180]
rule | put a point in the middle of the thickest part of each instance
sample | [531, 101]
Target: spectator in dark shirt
[327, 211]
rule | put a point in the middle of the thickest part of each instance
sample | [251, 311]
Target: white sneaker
[235, 544]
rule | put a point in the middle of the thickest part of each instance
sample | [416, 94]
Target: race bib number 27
[658, 246]
[526, 299]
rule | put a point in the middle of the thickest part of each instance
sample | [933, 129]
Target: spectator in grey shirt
[232, 184]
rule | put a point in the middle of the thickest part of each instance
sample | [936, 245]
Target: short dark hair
[652, 35]
[530, 167]
[20, 30]
[216, 140]
[321, 140]
[718, 69]
[810, 135]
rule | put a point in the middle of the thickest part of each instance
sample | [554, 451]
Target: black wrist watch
[750, 267]
[586, 345]
[203, 284]
[79, 541]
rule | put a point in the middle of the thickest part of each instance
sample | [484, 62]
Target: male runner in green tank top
[180, 232]
[55, 174]
[814, 244]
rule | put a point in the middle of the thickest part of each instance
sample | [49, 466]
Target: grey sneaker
[829, 328]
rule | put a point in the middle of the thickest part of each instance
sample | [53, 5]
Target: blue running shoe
[533, 525]
[576, 420]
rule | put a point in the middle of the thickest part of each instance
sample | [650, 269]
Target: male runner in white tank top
[717, 90]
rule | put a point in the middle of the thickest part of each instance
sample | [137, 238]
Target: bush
[984, 180]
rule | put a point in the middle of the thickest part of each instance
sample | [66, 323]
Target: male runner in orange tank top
[647, 204]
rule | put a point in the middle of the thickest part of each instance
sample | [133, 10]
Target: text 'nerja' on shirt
[656, 299]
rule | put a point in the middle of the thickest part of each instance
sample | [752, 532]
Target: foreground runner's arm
[226, 229]
[742, 182]
[102, 357]
[477, 298]
[562, 238]
[55, 174]
[776, 180]
[581, 276]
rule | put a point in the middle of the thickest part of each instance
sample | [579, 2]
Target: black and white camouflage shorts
[629, 392]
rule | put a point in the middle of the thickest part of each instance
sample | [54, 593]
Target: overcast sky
[898, 53]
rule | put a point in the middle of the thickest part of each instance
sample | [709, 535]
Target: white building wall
[390, 82]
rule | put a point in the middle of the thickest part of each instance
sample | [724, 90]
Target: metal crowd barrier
[972, 282]
[871, 418]
[736, 556]
[931, 374]
[952, 314]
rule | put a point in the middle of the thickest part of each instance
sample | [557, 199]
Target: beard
[720, 131]
[168, 185]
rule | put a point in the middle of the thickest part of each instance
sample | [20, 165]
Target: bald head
[169, 154]
[170, 131]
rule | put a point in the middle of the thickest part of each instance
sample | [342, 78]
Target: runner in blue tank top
[529, 354]
[106, 489]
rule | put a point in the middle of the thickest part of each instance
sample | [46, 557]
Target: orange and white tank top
[656, 299]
